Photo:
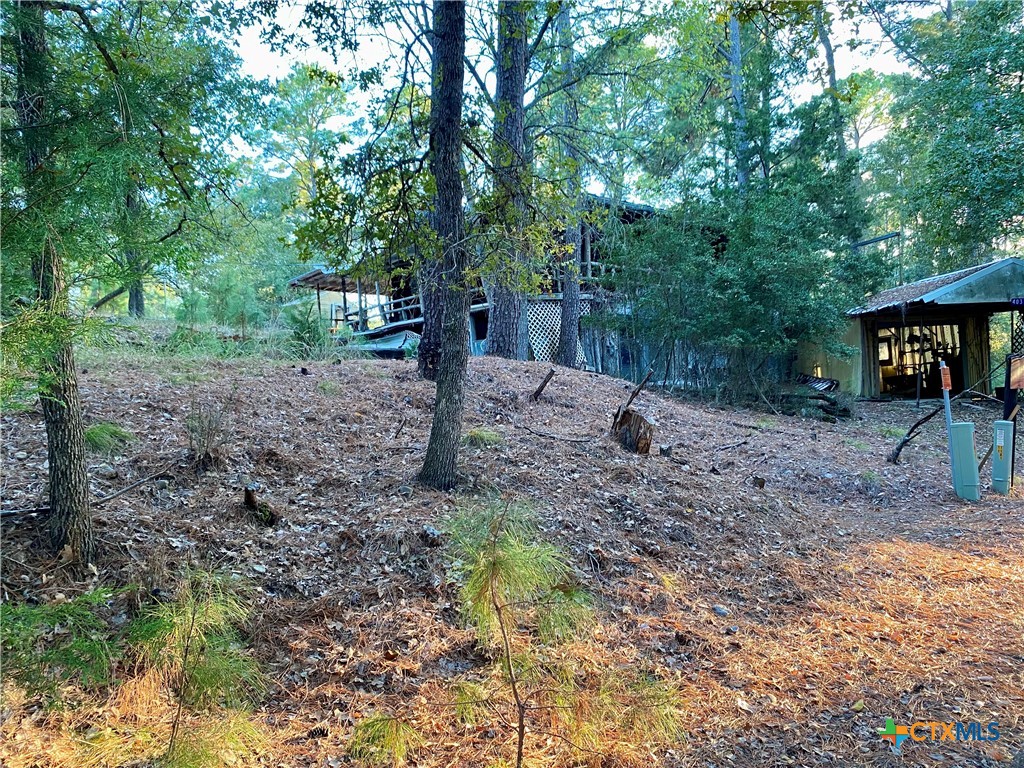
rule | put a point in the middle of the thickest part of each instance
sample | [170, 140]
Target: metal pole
[946, 386]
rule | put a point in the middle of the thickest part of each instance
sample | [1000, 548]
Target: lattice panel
[1017, 333]
[545, 320]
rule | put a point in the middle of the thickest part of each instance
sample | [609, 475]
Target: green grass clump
[887, 430]
[329, 388]
[481, 437]
[106, 437]
[383, 740]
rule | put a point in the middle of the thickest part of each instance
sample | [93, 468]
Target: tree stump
[633, 431]
[260, 511]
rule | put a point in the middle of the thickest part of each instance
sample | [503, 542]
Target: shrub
[310, 334]
[208, 426]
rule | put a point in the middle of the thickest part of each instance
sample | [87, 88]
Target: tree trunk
[136, 300]
[70, 516]
[569, 325]
[70, 519]
[507, 332]
[428, 355]
[136, 294]
[447, 76]
[736, 87]
[830, 68]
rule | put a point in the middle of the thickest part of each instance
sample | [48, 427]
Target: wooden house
[386, 311]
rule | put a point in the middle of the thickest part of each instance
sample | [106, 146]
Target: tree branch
[90, 30]
[540, 35]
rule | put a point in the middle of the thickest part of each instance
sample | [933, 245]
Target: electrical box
[1002, 456]
[965, 461]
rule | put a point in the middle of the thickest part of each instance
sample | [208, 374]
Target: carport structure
[906, 331]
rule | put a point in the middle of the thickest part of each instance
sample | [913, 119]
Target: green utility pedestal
[965, 461]
[1002, 456]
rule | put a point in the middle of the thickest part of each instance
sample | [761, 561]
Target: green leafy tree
[950, 165]
[104, 174]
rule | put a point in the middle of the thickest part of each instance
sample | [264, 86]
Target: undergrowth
[384, 740]
[170, 687]
[193, 348]
[51, 646]
[208, 427]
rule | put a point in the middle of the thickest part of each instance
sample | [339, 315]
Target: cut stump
[633, 431]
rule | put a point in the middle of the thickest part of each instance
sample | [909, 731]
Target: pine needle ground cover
[783, 624]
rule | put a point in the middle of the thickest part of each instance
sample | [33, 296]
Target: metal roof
[318, 279]
[944, 289]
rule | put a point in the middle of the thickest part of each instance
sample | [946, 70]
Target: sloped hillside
[793, 588]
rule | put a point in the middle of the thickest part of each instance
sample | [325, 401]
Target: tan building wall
[812, 359]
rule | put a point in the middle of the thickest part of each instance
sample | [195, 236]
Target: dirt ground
[854, 590]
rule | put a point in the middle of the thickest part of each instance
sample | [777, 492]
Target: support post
[588, 265]
[946, 386]
[344, 301]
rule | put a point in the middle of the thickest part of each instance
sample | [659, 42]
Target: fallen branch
[894, 456]
[721, 448]
[536, 395]
[99, 502]
[556, 437]
[636, 390]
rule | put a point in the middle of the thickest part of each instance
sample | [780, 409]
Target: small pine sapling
[510, 580]
[192, 647]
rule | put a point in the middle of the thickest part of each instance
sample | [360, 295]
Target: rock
[21, 455]
[405, 490]
[161, 485]
[431, 536]
[105, 471]
[721, 610]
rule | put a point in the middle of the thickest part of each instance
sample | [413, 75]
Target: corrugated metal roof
[902, 295]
